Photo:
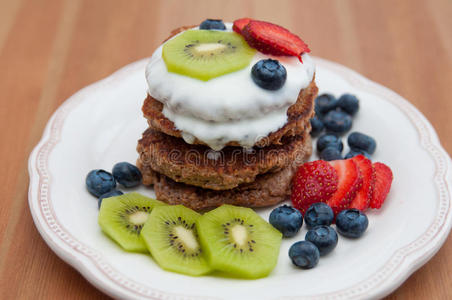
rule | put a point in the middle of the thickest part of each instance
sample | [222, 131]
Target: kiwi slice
[171, 237]
[122, 218]
[205, 54]
[238, 241]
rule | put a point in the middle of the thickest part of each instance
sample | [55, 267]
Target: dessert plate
[100, 125]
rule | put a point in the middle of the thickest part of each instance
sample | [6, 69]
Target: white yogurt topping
[230, 107]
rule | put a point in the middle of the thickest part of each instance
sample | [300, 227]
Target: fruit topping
[361, 142]
[171, 236]
[329, 140]
[269, 74]
[337, 122]
[325, 103]
[99, 182]
[304, 254]
[111, 193]
[362, 198]
[273, 39]
[348, 103]
[286, 219]
[351, 223]
[123, 217]
[212, 24]
[239, 24]
[206, 54]
[330, 153]
[313, 182]
[236, 240]
[318, 214]
[317, 126]
[127, 174]
[383, 181]
[324, 237]
[355, 152]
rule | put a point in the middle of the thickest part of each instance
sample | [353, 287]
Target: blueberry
[324, 103]
[329, 140]
[330, 153]
[351, 223]
[212, 24]
[111, 193]
[348, 103]
[127, 174]
[360, 141]
[269, 74]
[337, 122]
[355, 152]
[304, 254]
[324, 237]
[286, 219]
[100, 182]
[318, 214]
[317, 126]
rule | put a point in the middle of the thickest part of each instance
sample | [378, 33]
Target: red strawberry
[350, 182]
[272, 39]
[239, 24]
[314, 182]
[362, 198]
[383, 180]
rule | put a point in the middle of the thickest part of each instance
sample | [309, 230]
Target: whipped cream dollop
[230, 107]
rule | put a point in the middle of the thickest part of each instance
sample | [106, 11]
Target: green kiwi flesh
[171, 236]
[122, 219]
[206, 54]
[236, 240]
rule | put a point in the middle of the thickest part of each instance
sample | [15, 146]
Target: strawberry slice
[383, 181]
[239, 24]
[362, 198]
[350, 182]
[273, 39]
[314, 182]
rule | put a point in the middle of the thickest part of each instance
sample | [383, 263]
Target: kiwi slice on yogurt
[236, 240]
[172, 238]
[123, 217]
[206, 54]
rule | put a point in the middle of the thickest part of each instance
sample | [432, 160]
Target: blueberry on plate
[99, 182]
[210, 24]
[348, 103]
[329, 140]
[361, 141]
[355, 152]
[111, 193]
[317, 126]
[330, 153]
[269, 74]
[286, 219]
[337, 121]
[127, 174]
[324, 237]
[318, 214]
[351, 223]
[324, 103]
[304, 254]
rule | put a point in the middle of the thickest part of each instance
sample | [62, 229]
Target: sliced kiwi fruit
[122, 218]
[205, 54]
[172, 238]
[236, 240]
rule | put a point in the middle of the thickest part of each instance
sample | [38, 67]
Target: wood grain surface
[49, 49]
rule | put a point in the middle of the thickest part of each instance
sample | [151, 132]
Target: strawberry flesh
[314, 182]
[240, 24]
[383, 181]
[364, 195]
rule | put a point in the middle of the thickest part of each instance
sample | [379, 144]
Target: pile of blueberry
[102, 184]
[321, 238]
[335, 117]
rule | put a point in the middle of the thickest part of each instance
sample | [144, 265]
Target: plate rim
[111, 282]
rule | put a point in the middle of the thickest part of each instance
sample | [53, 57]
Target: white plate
[100, 125]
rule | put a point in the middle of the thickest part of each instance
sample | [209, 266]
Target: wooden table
[49, 49]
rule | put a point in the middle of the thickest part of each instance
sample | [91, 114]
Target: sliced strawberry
[314, 182]
[273, 39]
[350, 181]
[383, 181]
[239, 24]
[362, 198]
